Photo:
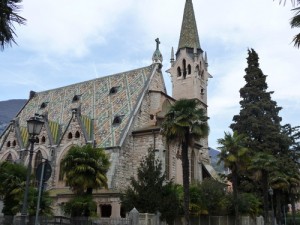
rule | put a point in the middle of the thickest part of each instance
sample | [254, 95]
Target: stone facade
[121, 113]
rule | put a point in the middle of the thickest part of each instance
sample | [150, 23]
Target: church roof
[106, 104]
[189, 37]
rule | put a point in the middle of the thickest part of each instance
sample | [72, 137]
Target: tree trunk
[265, 189]
[293, 209]
[235, 195]
[186, 180]
[278, 215]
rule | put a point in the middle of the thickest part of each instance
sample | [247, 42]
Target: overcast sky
[66, 42]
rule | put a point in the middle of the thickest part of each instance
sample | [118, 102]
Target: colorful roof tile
[189, 37]
[98, 105]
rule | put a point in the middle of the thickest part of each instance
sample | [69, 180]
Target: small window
[114, 90]
[43, 105]
[77, 134]
[178, 71]
[76, 98]
[43, 139]
[202, 91]
[8, 144]
[151, 116]
[70, 136]
[14, 143]
[184, 68]
[117, 120]
[189, 69]
[37, 140]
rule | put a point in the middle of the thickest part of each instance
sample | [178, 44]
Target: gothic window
[70, 136]
[43, 139]
[184, 68]
[37, 140]
[61, 174]
[178, 71]
[198, 70]
[38, 159]
[9, 158]
[8, 144]
[14, 143]
[77, 134]
[189, 69]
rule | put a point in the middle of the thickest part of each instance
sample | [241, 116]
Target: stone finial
[157, 56]
[134, 216]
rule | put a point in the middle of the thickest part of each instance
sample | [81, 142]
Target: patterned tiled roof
[100, 101]
[189, 34]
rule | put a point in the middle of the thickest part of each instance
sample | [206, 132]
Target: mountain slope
[8, 110]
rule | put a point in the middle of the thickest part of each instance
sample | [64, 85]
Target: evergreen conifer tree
[259, 121]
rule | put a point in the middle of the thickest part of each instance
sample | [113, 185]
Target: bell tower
[189, 76]
[188, 70]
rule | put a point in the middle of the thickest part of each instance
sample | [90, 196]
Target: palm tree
[8, 16]
[295, 22]
[234, 155]
[262, 164]
[185, 123]
[85, 169]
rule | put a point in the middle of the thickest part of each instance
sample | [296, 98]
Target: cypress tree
[258, 117]
[259, 121]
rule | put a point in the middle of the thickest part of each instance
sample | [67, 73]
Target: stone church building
[121, 113]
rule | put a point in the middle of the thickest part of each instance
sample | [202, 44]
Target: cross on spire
[157, 43]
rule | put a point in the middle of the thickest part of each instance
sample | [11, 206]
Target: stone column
[115, 210]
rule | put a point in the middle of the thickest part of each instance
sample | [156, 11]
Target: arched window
[77, 134]
[178, 71]
[37, 140]
[184, 68]
[38, 159]
[198, 70]
[14, 143]
[43, 139]
[8, 144]
[70, 135]
[189, 69]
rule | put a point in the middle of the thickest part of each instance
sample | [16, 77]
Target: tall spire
[189, 34]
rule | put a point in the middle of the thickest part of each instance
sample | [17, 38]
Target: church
[121, 113]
